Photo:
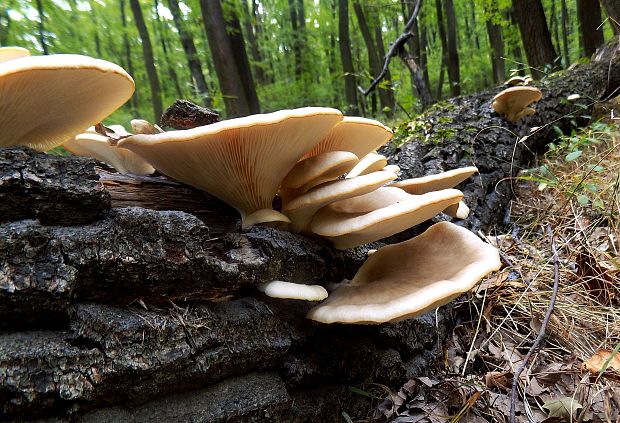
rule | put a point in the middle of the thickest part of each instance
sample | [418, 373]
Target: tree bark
[454, 72]
[149, 60]
[250, 23]
[41, 27]
[223, 58]
[296, 44]
[555, 30]
[496, 39]
[346, 58]
[444, 46]
[565, 33]
[612, 7]
[535, 34]
[191, 55]
[589, 14]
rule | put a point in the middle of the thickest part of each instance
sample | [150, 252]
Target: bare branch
[394, 48]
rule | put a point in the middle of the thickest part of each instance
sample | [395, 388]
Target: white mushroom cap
[49, 99]
[10, 53]
[301, 209]
[293, 291]
[459, 210]
[411, 278]
[347, 230]
[268, 217]
[358, 135]
[371, 162]
[95, 145]
[511, 102]
[241, 161]
[315, 170]
[443, 180]
[393, 168]
[381, 197]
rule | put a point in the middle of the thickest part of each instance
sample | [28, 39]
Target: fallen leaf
[565, 407]
[603, 360]
[499, 380]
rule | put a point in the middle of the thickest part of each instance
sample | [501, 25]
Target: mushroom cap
[358, 135]
[443, 180]
[266, 216]
[371, 162]
[10, 53]
[293, 291]
[459, 210]
[381, 197]
[348, 230]
[315, 170]
[49, 99]
[411, 278]
[301, 209]
[95, 145]
[515, 80]
[142, 126]
[510, 102]
[241, 161]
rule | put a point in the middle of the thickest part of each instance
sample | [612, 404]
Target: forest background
[247, 56]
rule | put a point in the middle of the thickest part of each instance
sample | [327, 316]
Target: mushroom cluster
[513, 103]
[323, 167]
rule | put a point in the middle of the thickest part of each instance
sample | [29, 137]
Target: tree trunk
[424, 57]
[241, 59]
[93, 14]
[496, 39]
[612, 7]
[191, 55]
[5, 23]
[128, 65]
[149, 60]
[165, 46]
[385, 96]
[565, 33]
[589, 14]
[250, 23]
[555, 30]
[292, 6]
[444, 46]
[346, 58]
[223, 58]
[41, 27]
[454, 72]
[536, 37]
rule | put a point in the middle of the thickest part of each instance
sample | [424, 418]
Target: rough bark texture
[465, 131]
[138, 314]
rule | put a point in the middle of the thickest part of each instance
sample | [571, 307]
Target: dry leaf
[565, 407]
[499, 380]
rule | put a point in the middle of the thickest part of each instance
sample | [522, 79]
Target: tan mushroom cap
[10, 53]
[315, 170]
[459, 210]
[268, 217]
[49, 99]
[301, 209]
[346, 230]
[241, 161]
[371, 162]
[97, 146]
[381, 197]
[511, 102]
[142, 126]
[411, 278]
[358, 135]
[293, 291]
[443, 180]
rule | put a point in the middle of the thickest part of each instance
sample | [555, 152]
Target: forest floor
[569, 203]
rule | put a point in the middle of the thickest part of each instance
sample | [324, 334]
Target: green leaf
[358, 391]
[574, 155]
[346, 417]
[583, 199]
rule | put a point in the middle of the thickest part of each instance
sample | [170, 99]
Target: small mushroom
[302, 209]
[10, 53]
[47, 100]
[348, 230]
[411, 278]
[95, 145]
[141, 126]
[459, 210]
[435, 182]
[293, 291]
[358, 135]
[371, 162]
[515, 80]
[241, 161]
[513, 102]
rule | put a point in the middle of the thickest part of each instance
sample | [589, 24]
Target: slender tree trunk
[454, 72]
[589, 15]
[149, 60]
[555, 30]
[237, 43]
[193, 61]
[292, 6]
[565, 33]
[496, 39]
[41, 26]
[424, 58]
[250, 32]
[474, 24]
[127, 53]
[385, 96]
[612, 7]
[93, 13]
[163, 40]
[346, 58]
[444, 46]
[535, 34]
[223, 58]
